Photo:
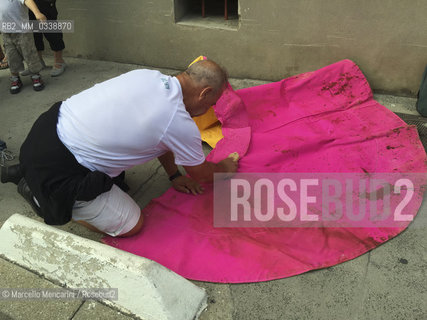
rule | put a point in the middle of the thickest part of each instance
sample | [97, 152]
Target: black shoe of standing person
[27, 194]
[11, 174]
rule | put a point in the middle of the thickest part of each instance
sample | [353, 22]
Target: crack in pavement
[145, 181]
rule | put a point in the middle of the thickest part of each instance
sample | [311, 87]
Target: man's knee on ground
[89, 226]
[135, 229]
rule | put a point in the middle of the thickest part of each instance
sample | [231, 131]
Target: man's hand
[187, 185]
[229, 166]
[40, 16]
[33, 7]
[204, 172]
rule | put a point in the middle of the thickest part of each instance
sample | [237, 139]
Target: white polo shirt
[129, 120]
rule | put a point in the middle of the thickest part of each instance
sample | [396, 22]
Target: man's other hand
[229, 166]
[187, 185]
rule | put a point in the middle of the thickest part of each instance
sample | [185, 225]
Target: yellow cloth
[208, 124]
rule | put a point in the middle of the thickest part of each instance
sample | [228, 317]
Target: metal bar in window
[203, 8]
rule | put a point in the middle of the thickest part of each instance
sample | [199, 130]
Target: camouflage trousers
[20, 47]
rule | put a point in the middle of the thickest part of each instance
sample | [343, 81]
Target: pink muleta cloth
[324, 121]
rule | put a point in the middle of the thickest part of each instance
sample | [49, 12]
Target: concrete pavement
[388, 283]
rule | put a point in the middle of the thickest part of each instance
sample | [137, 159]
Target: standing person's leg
[4, 64]
[3, 60]
[11, 46]
[32, 59]
[55, 40]
[38, 41]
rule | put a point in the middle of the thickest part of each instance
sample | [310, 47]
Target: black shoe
[27, 194]
[11, 174]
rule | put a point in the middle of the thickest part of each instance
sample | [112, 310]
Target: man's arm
[168, 162]
[204, 173]
[180, 183]
[33, 7]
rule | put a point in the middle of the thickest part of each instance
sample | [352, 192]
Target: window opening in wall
[208, 13]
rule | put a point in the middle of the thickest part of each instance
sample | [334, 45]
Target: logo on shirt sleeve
[165, 83]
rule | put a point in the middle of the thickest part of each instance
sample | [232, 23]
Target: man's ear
[205, 92]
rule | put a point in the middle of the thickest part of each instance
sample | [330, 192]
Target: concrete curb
[145, 288]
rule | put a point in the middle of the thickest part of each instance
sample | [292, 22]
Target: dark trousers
[55, 40]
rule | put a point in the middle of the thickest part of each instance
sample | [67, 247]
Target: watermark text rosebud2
[317, 199]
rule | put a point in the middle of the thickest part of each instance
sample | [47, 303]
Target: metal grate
[418, 121]
[225, 9]
[216, 7]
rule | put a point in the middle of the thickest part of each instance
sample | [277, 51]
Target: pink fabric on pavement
[322, 121]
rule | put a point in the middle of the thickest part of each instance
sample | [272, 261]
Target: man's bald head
[202, 85]
[208, 73]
